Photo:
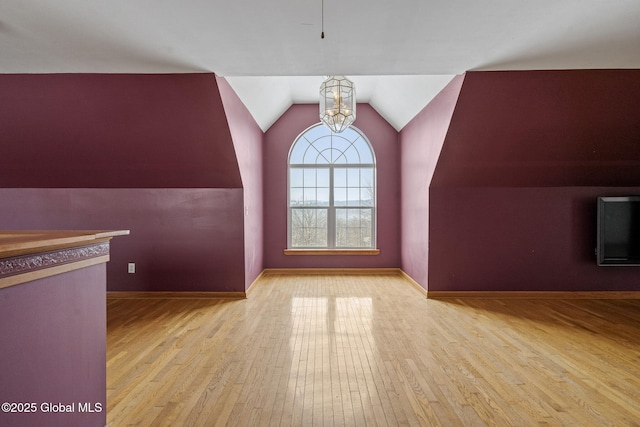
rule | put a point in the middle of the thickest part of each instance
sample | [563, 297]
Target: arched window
[332, 190]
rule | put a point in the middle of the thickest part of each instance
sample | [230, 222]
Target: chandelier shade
[337, 103]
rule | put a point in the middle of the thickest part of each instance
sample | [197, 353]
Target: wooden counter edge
[53, 239]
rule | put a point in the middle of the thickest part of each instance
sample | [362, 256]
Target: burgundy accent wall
[278, 140]
[520, 239]
[544, 129]
[114, 131]
[247, 140]
[421, 141]
[54, 347]
[513, 198]
[148, 153]
[181, 239]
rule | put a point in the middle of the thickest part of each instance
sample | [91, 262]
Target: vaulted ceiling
[399, 54]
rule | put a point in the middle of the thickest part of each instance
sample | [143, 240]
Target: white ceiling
[399, 53]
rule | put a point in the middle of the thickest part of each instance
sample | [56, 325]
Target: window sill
[332, 252]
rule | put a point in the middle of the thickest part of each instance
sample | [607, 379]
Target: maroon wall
[540, 239]
[421, 141]
[512, 201]
[148, 153]
[54, 347]
[544, 129]
[181, 239]
[247, 140]
[278, 140]
[114, 131]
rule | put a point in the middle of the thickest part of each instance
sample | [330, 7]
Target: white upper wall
[397, 98]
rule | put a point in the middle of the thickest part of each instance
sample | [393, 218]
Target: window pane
[339, 177]
[295, 197]
[341, 143]
[366, 177]
[308, 228]
[309, 196]
[340, 196]
[297, 153]
[315, 132]
[323, 197]
[353, 177]
[335, 155]
[341, 227]
[321, 145]
[295, 177]
[353, 228]
[366, 196]
[342, 160]
[364, 151]
[313, 156]
[365, 228]
[309, 178]
[321, 159]
[352, 155]
[353, 197]
[323, 177]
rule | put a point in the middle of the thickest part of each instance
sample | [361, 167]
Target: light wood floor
[371, 350]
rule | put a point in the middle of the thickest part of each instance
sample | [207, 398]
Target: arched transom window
[332, 190]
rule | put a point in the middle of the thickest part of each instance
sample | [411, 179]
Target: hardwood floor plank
[350, 350]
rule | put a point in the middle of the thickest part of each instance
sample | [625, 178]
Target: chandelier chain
[322, 21]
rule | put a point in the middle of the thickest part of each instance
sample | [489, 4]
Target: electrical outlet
[132, 267]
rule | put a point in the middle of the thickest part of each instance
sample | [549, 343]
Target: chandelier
[337, 103]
